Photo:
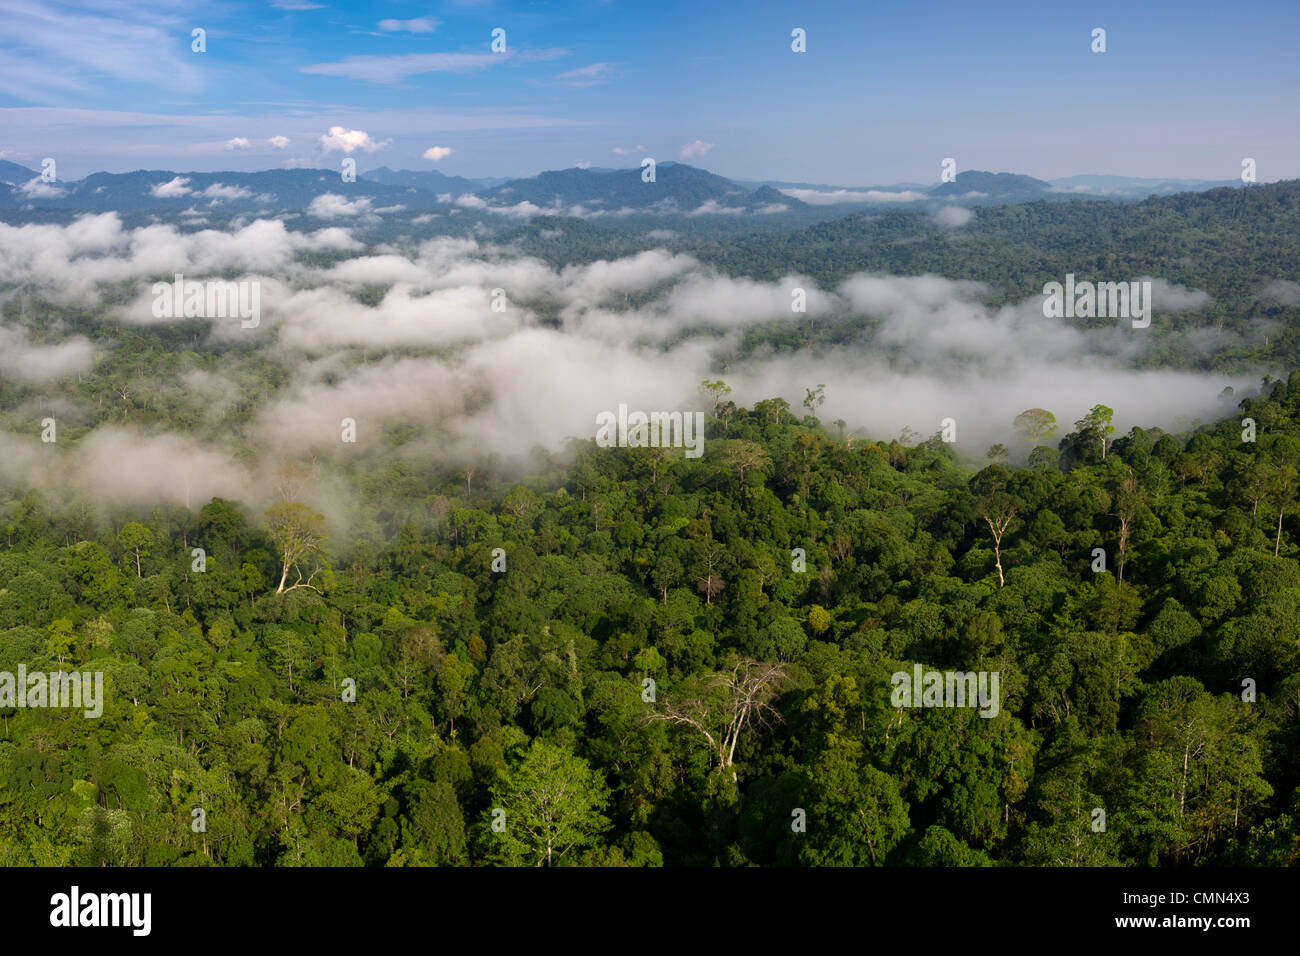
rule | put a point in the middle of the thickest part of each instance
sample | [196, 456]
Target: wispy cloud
[591, 75]
[418, 25]
[396, 68]
[831, 197]
[399, 67]
[77, 46]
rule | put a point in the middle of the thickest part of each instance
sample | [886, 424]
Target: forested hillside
[1233, 244]
[640, 658]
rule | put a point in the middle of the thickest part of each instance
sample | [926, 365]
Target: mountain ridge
[678, 189]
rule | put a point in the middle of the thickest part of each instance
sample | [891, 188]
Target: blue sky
[882, 95]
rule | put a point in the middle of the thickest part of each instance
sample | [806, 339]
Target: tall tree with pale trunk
[300, 534]
[721, 707]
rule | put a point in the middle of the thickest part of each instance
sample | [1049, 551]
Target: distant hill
[428, 179]
[977, 188]
[677, 188]
[1231, 243]
[15, 175]
[994, 188]
[1133, 187]
[828, 187]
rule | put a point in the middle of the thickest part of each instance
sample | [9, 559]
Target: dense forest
[1231, 243]
[636, 658]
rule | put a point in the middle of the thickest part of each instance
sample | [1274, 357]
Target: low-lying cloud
[460, 349]
[833, 197]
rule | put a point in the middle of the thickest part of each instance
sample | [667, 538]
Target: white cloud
[221, 191]
[343, 140]
[69, 263]
[711, 207]
[953, 217]
[830, 197]
[435, 153]
[1167, 297]
[324, 317]
[521, 210]
[38, 364]
[1282, 292]
[605, 280]
[334, 206]
[279, 142]
[695, 150]
[138, 468]
[239, 142]
[505, 382]
[38, 189]
[172, 188]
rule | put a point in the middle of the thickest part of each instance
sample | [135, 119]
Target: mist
[462, 350]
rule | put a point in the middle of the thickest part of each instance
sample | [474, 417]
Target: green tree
[1035, 424]
[553, 803]
[856, 815]
[138, 541]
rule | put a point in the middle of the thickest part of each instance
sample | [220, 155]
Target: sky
[882, 94]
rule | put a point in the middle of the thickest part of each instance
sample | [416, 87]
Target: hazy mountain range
[679, 190]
